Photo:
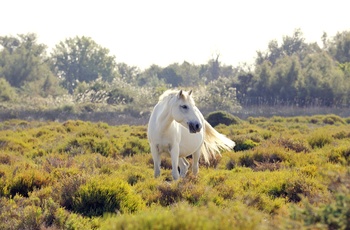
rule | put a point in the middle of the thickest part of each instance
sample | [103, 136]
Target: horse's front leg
[156, 160]
[174, 152]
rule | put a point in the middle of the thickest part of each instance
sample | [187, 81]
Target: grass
[288, 172]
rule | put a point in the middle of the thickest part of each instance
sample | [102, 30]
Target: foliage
[7, 93]
[221, 117]
[290, 73]
[24, 65]
[81, 59]
[293, 171]
[101, 195]
[331, 216]
[298, 73]
[319, 139]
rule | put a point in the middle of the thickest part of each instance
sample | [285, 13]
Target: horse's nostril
[194, 127]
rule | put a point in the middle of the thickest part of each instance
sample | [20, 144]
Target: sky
[162, 32]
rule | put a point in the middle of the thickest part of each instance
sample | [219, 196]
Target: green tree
[170, 77]
[149, 77]
[324, 79]
[339, 47]
[188, 72]
[25, 65]
[262, 83]
[285, 83]
[22, 59]
[81, 59]
[128, 73]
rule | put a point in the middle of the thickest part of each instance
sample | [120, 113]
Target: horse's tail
[214, 142]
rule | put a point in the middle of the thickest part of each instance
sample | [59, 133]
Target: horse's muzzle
[194, 126]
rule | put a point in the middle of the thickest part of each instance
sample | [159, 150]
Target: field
[284, 173]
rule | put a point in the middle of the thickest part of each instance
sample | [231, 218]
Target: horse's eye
[184, 106]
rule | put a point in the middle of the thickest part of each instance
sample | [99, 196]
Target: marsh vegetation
[284, 173]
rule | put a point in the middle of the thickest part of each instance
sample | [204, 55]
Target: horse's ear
[180, 95]
[189, 93]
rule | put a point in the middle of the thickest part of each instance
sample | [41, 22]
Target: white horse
[178, 128]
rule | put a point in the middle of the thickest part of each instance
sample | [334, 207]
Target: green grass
[286, 173]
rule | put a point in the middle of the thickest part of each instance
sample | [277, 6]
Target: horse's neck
[165, 119]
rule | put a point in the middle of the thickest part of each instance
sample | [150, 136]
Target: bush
[331, 216]
[102, 195]
[244, 144]
[222, 117]
[319, 139]
[170, 193]
[263, 158]
[295, 145]
[340, 155]
[7, 93]
[25, 182]
[333, 119]
[135, 146]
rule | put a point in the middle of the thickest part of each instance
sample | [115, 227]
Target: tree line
[291, 73]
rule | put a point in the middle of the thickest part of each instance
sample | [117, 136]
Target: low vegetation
[284, 173]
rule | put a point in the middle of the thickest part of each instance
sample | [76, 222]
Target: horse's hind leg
[183, 164]
[156, 160]
[195, 163]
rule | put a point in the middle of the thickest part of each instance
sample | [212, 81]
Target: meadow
[284, 173]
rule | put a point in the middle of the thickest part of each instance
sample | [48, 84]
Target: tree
[262, 83]
[24, 64]
[189, 73]
[211, 71]
[169, 75]
[128, 73]
[22, 59]
[285, 83]
[339, 47]
[81, 59]
[149, 77]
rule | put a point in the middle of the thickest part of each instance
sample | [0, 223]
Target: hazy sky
[145, 32]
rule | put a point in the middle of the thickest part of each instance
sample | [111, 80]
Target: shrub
[319, 139]
[334, 215]
[340, 155]
[185, 216]
[65, 190]
[5, 159]
[25, 182]
[88, 144]
[169, 193]
[255, 120]
[244, 144]
[298, 186]
[295, 145]
[135, 146]
[102, 195]
[221, 117]
[264, 158]
[341, 135]
[333, 119]
[135, 177]
[7, 93]
[347, 120]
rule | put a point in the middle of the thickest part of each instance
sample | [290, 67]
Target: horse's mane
[168, 94]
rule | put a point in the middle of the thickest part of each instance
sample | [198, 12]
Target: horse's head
[185, 112]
